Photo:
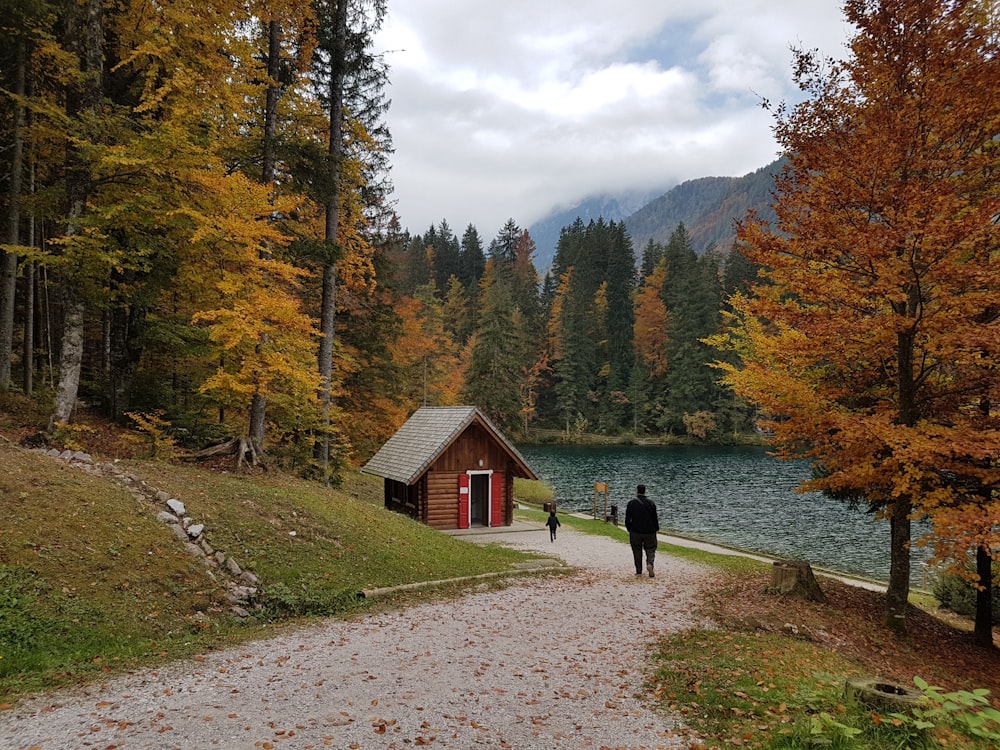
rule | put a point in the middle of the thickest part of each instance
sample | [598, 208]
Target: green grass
[304, 536]
[772, 692]
[91, 583]
[532, 491]
[744, 690]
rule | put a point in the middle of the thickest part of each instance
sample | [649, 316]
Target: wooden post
[795, 578]
[601, 487]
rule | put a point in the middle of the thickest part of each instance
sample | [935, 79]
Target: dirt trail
[541, 664]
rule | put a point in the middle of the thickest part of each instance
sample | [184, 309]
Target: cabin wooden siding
[443, 499]
[439, 450]
[408, 499]
[462, 456]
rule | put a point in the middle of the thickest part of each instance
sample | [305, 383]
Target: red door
[496, 499]
[463, 501]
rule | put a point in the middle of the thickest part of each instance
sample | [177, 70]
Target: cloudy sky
[514, 108]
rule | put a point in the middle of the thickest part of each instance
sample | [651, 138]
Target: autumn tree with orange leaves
[873, 341]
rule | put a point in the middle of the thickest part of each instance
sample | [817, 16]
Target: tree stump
[873, 694]
[795, 578]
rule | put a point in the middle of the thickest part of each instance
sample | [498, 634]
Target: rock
[165, 517]
[162, 496]
[194, 549]
[240, 612]
[220, 557]
[194, 530]
[240, 594]
[249, 578]
[205, 546]
[233, 567]
[179, 532]
[81, 457]
[66, 455]
[176, 506]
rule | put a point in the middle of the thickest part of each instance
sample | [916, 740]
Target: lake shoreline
[736, 497]
[540, 437]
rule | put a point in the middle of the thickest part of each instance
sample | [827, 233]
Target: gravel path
[541, 664]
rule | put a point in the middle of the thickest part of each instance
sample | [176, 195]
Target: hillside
[95, 577]
[708, 207]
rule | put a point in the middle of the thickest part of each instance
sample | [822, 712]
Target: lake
[739, 497]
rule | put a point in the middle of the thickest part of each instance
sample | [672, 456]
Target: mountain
[707, 206]
[545, 232]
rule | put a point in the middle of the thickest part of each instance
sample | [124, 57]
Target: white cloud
[511, 109]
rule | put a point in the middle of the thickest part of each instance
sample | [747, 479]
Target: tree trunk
[983, 631]
[338, 64]
[273, 94]
[258, 420]
[84, 37]
[8, 260]
[70, 359]
[124, 354]
[327, 331]
[240, 447]
[898, 593]
[32, 302]
[28, 350]
[258, 404]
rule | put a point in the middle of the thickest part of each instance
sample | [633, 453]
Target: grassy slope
[91, 582]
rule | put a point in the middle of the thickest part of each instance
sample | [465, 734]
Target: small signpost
[601, 488]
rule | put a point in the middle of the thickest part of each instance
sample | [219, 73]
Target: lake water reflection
[739, 497]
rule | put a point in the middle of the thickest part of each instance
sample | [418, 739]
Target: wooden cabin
[450, 468]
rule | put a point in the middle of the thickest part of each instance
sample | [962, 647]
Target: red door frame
[496, 499]
[493, 512]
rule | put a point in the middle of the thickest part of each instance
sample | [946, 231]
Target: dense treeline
[605, 343]
[199, 241]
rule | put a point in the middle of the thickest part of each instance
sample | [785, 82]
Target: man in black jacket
[642, 523]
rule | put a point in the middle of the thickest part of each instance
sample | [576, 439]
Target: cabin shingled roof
[426, 434]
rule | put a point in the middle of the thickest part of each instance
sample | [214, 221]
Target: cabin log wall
[442, 499]
[434, 497]
[471, 447]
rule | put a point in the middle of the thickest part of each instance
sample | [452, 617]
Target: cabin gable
[450, 468]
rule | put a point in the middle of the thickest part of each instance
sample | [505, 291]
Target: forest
[200, 241]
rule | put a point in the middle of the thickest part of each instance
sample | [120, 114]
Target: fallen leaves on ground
[850, 622]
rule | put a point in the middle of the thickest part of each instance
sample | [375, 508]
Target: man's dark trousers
[639, 543]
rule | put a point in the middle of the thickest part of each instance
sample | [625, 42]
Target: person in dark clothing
[552, 522]
[642, 523]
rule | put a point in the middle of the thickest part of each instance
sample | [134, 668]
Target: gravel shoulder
[553, 662]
